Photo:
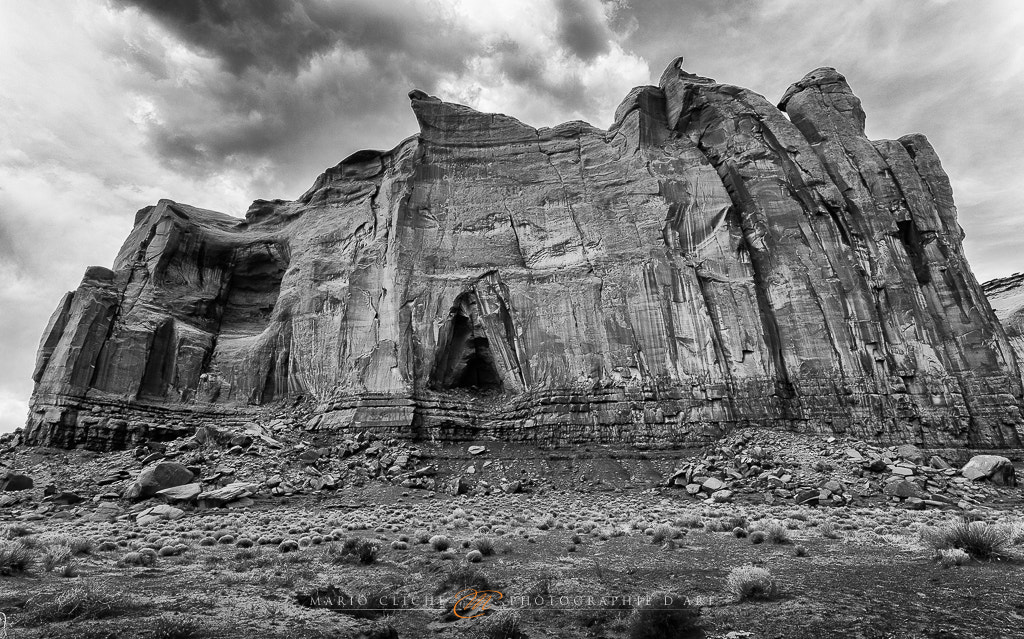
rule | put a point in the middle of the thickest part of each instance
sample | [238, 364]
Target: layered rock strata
[704, 264]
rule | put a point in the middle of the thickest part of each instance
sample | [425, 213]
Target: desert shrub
[474, 556]
[503, 624]
[978, 539]
[399, 545]
[14, 531]
[665, 614]
[244, 542]
[107, 546]
[422, 536]
[751, 582]
[689, 521]
[354, 549]
[288, 545]
[828, 530]
[739, 532]
[440, 543]
[776, 532]
[757, 537]
[139, 558]
[175, 627]
[55, 556]
[207, 541]
[800, 551]
[14, 557]
[949, 557]
[461, 578]
[485, 545]
[662, 533]
[226, 539]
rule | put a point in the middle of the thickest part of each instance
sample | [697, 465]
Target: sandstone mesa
[709, 262]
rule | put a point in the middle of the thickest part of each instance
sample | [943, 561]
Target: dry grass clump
[86, 601]
[503, 624]
[776, 532]
[978, 539]
[949, 557]
[663, 533]
[751, 582]
[485, 545]
[665, 614]
[440, 543]
[14, 557]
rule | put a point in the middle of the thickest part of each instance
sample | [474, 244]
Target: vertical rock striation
[706, 263]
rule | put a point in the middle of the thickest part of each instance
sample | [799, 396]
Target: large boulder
[995, 468]
[16, 481]
[157, 477]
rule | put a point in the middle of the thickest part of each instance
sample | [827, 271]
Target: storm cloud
[219, 102]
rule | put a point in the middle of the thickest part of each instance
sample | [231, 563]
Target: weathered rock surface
[1006, 294]
[995, 468]
[157, 513]
[158, 477]
[706, 263]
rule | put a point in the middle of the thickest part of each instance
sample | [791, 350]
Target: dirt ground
[865, 572]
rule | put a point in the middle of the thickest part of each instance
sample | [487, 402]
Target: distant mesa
[709, 262]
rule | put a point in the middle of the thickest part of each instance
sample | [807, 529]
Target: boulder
[16, 481]
[910, 453]
[902, 488]
[180, 494]
[157, 477]
[229, 493]
[999, 470]
[876, 465]
[712, 484]
[157, 513]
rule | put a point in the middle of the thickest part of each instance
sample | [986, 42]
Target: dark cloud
[582, 28]
[286, 35]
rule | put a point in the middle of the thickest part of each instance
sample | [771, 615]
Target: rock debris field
[227, 533]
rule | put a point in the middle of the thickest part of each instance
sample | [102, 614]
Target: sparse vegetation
[949, 557]
[664, 614]
[14, 557]
[978, 539]
[751, 582]
[440, 543]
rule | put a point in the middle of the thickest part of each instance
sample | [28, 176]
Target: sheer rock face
[705, 263]
[1006, 295]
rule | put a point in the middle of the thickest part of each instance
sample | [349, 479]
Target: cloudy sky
[107, 107]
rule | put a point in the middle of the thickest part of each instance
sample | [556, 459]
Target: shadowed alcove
[464, 359]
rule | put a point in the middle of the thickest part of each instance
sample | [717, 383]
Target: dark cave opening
[464, 358]
[910, 236]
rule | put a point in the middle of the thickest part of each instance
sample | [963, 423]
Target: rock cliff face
[710, 261]
[1006, 295]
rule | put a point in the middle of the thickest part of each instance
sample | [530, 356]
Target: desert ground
[390, 539]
